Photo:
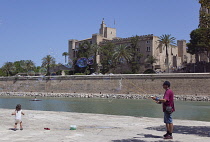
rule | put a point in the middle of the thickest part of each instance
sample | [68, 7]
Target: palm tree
[8, 68]
[151, 60]
[122, 52]
[47, 62]
[29, 64]
[165, 41]
[65, 54]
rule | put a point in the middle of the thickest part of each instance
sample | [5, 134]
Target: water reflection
[138, 108]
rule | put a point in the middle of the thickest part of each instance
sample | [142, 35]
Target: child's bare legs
[21, 126]
[15, 127]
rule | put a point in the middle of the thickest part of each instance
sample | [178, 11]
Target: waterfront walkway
[96, 128]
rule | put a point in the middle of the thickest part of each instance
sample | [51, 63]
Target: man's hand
[152, 97]
[158, 102]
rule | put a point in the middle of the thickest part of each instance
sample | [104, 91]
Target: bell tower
[102, 29]
[107, 32]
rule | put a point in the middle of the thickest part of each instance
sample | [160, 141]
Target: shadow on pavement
[202, 131]
[128, 140]
[144, 136]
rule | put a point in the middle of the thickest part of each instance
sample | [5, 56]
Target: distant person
[168, 108]
[18, 112]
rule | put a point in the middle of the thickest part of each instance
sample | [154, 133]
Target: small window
[148, 49]
[111, 32]
[148, 41]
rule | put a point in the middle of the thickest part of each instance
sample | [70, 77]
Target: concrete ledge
[115, 76]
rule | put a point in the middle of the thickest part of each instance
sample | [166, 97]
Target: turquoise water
[138, 108]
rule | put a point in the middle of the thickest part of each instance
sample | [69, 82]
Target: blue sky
[32, 29]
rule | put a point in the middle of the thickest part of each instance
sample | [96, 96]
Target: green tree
[204, 16]
[136, 55]
[87, 50]
[65, 54]
[2, 73]
[121, 53]
[106, 53]
[199, 42]
[48, 62]
[29, 65]
[18, 67]
[8, 68]
[205, 3]
[165, 41]
[24, 65]
[36, 69]
[151, 60]
[84, 50]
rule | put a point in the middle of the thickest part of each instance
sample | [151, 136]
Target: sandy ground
[96, 128]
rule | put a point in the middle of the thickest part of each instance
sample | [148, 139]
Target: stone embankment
[100, 95]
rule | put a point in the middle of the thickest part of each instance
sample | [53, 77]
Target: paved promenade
[96, 128]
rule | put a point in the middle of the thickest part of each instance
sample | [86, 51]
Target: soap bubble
[31, 73]
[41, 78]
[122, 60]
[29, 64]
[26, 64]
[53, 74]
[23, 64]
[69, 64]
[82, 62]
[90, 61]
[13, 69]
[42, 71]
[110, 62]
[85, 46]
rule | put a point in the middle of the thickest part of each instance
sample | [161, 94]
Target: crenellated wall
[181, 84]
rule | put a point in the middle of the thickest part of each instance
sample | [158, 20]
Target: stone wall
[181, 84]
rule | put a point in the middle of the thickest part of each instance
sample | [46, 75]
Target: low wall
[181, 84]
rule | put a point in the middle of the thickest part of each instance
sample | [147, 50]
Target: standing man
[168, 108]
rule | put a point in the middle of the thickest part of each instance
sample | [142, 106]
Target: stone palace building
[147, 46]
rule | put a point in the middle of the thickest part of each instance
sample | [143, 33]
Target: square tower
[107, 32]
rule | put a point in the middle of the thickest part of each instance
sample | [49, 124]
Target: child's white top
[18, 114]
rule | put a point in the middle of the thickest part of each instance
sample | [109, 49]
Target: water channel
[138, 108]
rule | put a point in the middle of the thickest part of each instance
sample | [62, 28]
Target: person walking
[168, 108]
[18, 112]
